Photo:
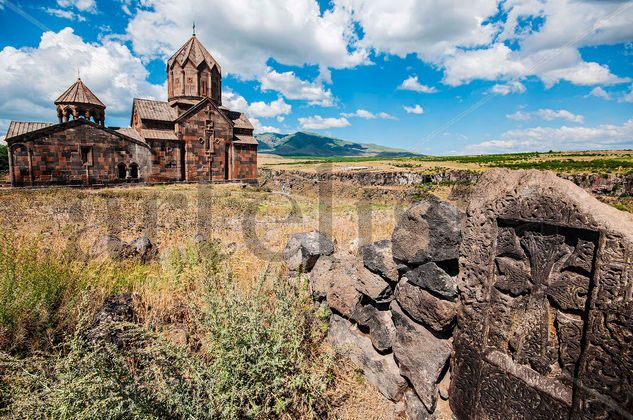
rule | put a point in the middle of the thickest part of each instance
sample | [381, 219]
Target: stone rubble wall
[290, 181]
[522, 307]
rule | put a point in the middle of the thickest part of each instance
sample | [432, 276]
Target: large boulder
[437, 314]
[428, 231]
[380, 325]
[378, 258]
[304, 249]
[431, 277]
[422, 356]
[380, 370]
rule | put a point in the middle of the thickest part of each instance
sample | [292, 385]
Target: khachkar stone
[546, 282]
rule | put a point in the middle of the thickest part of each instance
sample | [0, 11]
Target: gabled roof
[158, 134]
[245, 139]
[194, 51]
[240, 120]
[130, 132]
[53, 128]
[17, 128]
[191, 111]
[155, 110]
[79, 93]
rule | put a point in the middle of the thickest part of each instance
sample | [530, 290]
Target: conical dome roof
[79, 93]
[194, 51]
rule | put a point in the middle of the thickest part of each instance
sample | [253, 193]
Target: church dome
[78, 101]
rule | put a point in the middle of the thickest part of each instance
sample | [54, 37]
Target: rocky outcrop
[366, 294]
[422, 306]
[304, 249]
[519, 308]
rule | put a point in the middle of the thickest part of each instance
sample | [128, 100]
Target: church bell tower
[193, 74]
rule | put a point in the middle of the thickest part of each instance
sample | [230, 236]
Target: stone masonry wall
[199, 158]
[520, 308]
[57, 157]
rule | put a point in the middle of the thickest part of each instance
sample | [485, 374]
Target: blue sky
[431, 76]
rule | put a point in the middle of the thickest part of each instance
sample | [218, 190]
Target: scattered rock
[381, 328]
[108, 324]
[117, 308]
[420, 354]
[378, 258]
[428, 231]
[142, 248]
[423, 307]
[380, 370]
[109, 246]
[431, 277]
[372, 285]
[304, 249]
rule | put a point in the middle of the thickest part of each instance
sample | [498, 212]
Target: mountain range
[312, 144]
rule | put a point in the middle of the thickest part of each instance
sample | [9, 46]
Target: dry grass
[59, 226]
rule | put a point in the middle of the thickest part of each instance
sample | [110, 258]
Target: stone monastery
[191, 137]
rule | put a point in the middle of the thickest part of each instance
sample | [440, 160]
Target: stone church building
[191, 137]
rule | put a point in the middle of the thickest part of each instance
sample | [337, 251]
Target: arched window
[134, 171]
[121, 170]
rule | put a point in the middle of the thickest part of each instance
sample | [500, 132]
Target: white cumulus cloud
[548, 115]
[367, 115]
[109, 69]
[65, 14]
[508, 88]
[277, 108]
[417, 109]
[244, 35]
[412, 83]
[598, 92]
[81, 5]
[317, 122]
[628, 97]
[605, 136]
[290, 86]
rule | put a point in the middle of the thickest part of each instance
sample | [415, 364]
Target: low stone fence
[521, 307]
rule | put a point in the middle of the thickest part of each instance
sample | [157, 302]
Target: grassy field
[561, 162]
[220, 333]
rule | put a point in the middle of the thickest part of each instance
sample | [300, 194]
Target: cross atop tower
[194, 28]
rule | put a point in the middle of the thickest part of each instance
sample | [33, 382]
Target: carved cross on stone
[546, 281]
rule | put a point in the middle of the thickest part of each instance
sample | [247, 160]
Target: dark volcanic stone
[304, 249]
[381, 328]
[428, 231]
[431, 277]
[421, 356]
[422, 306]
[378, 258]
[380, 370]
